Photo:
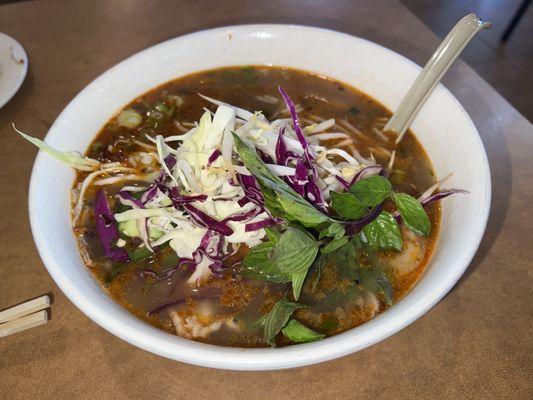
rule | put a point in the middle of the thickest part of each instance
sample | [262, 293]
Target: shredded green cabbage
[70, 158]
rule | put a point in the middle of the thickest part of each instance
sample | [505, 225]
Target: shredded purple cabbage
[206, 221]
[179, 199]
[144, 273]
[246, 216]
[211, 244]
[208, 293]
[214, 155]
[309, 189]
[441, 195]
[106, 227]
[128, 200]
[345, 184]
[170, 161]
[255, 226]
[296, 124]
[149, 194]
[356, 226]
[283, 155]
[164, 305]
[431, 199]
[252, 192]
[265, 157]
[366, 172]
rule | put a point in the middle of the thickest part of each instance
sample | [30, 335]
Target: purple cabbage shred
[106, 227]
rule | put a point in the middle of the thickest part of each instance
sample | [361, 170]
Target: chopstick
[21, 324]
[24, 316]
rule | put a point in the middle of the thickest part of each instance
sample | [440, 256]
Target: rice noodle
[266, 98]
[144, 145]
[130, 177]
[331, 136]
[107, 169]
[133, 189]
[345, 126]
[434, 187]
[81, 194]
[391, 161]
[316, 118]
[343, 154]
[380, 150]
[345, 143]
[320, 127]
[180, 126]
[380, 134]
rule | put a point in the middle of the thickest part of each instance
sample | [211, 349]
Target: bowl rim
[234, 358]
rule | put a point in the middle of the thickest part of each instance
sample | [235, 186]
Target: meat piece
[191, 327]
[413, 253]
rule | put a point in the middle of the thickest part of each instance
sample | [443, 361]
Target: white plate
[13, 67]
[443, 127]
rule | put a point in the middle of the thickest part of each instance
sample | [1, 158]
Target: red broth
[336, 303]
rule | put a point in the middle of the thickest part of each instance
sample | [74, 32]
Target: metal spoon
[443, 58]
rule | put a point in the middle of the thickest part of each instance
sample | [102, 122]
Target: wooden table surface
[475, 344]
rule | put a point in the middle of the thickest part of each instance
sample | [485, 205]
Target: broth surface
[229, 302]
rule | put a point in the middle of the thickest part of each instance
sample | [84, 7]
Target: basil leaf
[334, 230]
[371, 191]
[320, 262]
[300, 333]
[329, 324]
[280, 199]
[257, 264]
[376, 280]
[277, 318]
[383, 233]
[346, 260]
[347, 205]
[295, 251]
[354, 262]
[334, 245]
[273, 234]
[297, 283]
[412, 213]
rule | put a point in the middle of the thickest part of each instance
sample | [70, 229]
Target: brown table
[475, 344]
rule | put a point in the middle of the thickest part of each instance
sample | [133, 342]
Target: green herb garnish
[287, 258]
[257, 264]
[347, 206]
[280, 199]
[299, 333]
[277, 318]
[412, 214]
[383, 233]
[370, 192]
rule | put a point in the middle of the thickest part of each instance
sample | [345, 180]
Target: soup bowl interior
[442, 126]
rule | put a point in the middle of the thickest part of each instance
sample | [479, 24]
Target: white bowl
[443, 127]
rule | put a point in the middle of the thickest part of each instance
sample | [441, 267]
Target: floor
[507, 67]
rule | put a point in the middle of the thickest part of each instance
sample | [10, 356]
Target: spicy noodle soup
[257, 238]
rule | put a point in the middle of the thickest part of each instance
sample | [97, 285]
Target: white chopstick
[24, 316]
[21, 324]
[29, 307]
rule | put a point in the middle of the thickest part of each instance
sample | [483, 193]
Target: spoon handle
[443, 58]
